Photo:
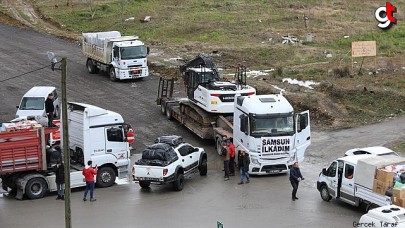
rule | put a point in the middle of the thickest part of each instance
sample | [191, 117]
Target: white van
[33, 102]
[385, 216]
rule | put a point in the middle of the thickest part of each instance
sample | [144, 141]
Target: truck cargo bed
[22, 151]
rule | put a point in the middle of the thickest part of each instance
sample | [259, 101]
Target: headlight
[255, 160]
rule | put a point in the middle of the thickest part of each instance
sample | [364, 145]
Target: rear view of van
[33, 102]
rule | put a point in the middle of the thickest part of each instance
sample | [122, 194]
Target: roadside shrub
[341, 72]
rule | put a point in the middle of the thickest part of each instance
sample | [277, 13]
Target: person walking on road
[295, 178]
[226, 156]
[49, 109]
[88, 173]
[232, 157]
[60, 179]
[243, 164]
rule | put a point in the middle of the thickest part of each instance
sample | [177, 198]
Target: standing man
[49, 109]
[226, 156]
[60, 179]
[295, 178]
[88, 173]
[232, 157]
[243, 163]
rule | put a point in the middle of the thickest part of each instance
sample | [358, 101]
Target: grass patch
[399, 146]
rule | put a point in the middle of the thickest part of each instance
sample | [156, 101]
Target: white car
[375, 150]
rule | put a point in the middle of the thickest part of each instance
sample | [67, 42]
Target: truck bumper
[132, 73]
[160, 180]
[266, 169]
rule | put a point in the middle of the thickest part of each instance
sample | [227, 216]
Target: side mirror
[195, 150]
[17, 106]
[324, 171]
[147, 50]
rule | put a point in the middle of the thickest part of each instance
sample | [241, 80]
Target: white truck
[350, 179]
[122, 57]
[95, 134]
[169, 161]
[265, 126]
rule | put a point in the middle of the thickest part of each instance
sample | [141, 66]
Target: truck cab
[266, 127]
[337, 180]
[98, 134]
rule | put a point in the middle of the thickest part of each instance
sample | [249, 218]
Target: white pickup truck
[350, 179]
[168, 161]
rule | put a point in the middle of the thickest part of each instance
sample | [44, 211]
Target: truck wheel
[144, 184]
[91, 67]
[179, 182]
[325, 193]
[203, 167]
[169, 112]
[163, 108]
[105, 177]
[36, 188]
[219, 145]
[113, 77]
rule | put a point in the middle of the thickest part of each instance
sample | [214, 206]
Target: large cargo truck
[265, 126]
[97, 134]
[122, 57]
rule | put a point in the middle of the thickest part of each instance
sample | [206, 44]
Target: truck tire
[91, 67]
[105, 177]
[112, 75]
[36, 188]
[144, 184]
[169, 112]
[325, 193]
[218, 145]
[203, 167]
[178, 184]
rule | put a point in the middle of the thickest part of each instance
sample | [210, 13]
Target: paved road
[263, 203]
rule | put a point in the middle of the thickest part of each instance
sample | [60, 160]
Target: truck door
[188, 157]
[347, 189]
[115, 143]
[303, 134]
[332, 178]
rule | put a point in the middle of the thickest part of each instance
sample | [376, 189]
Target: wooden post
[66, 151]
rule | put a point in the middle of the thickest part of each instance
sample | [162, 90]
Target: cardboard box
[398, 192]
[401, 202]
[380, 187]
[384, 175]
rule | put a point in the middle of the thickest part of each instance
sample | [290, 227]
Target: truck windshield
[32, 103]
[135, 52]
[272, 125]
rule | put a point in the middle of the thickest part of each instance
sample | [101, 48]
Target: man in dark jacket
[295, 178]
[49, 109]
[60, 179]
[243, 163]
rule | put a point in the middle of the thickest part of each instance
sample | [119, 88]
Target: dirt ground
[327, 110]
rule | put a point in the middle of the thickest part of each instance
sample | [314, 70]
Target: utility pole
[66, 151]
